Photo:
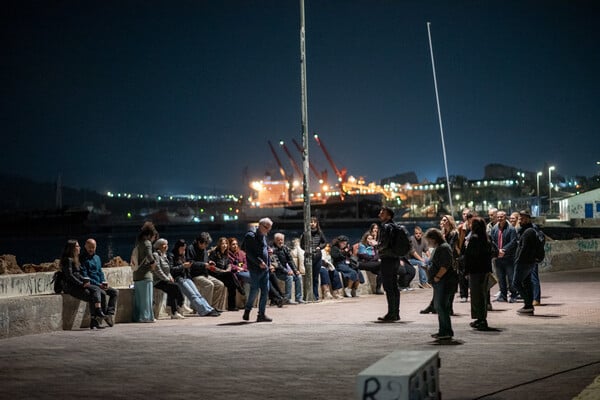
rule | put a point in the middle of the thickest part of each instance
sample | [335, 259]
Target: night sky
[182, 96]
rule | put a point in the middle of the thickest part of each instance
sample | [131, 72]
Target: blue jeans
[316, 271]
[505, 270]
[443, 293]
[535, 281]
[523, 283]
[189, 290]
[288, 286]
[259, 280]
[421, 267]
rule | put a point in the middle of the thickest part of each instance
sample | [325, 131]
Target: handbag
[490, 280]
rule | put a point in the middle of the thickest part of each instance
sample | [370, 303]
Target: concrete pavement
[315, 351]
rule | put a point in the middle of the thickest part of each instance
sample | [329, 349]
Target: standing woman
[79, 286]
[444, 280]
[142, 276]
[317, 243]
[478, 262]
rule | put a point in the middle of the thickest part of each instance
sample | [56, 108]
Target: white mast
[437, 100]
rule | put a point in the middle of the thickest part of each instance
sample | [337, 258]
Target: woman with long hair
[142, 276]
[368, 259]
[223, 271]
[317, 243]
[478, 262]
[78, 285]
[180, 268]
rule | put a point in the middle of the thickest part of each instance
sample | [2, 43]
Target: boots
[96, 323]
[246, 315]
[337, 294]
[326, 293]
[263, 318]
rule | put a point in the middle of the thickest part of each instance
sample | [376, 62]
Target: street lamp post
[552, 168]
[538, 193]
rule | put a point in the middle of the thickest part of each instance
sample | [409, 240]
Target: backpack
[134, 259]
[539, 251]
[540, 245]
[57, 280]
[399, 241]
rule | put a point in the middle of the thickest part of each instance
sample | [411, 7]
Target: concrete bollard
[401, 375]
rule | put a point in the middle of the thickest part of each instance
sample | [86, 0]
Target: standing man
[504, 235]
[389, 265]
[525, 261]
[286, 269]
[212, 289]
[258, 257]
[91, 266]
[493, 214]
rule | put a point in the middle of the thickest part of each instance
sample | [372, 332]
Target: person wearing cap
[525, 261]
[340, 255]
[389, 266]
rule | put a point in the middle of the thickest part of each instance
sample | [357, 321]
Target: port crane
[348, 184]
[292, 161]
[322, 177]
[278, 161]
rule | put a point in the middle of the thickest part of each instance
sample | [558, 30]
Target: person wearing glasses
[258, 256]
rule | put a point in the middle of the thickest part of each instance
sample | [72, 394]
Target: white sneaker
[185, 310]
[176, 315]
[347, 292]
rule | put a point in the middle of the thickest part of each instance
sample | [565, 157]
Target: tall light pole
[552, 168]
[538, 192]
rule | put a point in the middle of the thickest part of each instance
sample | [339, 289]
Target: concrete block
[159, 304]
[401, 375]
[30, 315]
[75, 313]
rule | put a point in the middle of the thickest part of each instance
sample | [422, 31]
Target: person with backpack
[390, 263]
[525, 260]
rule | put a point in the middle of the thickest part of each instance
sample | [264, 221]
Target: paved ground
[315, 351]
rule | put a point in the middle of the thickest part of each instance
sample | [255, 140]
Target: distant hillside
[20, 193]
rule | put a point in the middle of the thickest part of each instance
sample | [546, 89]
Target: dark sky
[177, 96]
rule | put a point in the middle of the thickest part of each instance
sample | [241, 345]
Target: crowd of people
[456, 258]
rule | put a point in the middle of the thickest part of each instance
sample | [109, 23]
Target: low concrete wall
[29, 315]
[571, 254]
[17, 285]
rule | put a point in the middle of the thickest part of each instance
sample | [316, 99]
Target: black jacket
[478, 255]
[284, 257]
[72, 275]
[526, 245]
[199, 259]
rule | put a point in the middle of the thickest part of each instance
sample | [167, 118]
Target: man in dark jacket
[286, 269]
[389, 266]
[258, 256]
[212, 289]
[525, 261]
[91, 266]
[504, 235]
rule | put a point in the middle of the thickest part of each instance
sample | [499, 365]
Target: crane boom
[281, 170]
[310, 164]
[292, 161]
[340, 174]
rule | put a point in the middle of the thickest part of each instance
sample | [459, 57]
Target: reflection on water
[36, 250]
